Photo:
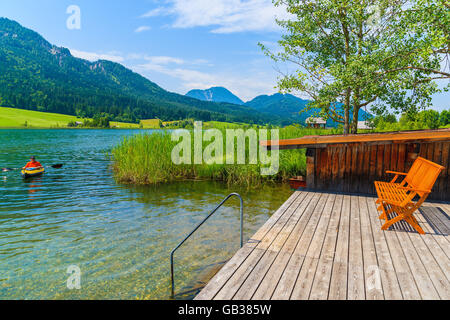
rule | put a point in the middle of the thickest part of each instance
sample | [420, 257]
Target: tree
[445, 117]
[356, 53]
[429, 118]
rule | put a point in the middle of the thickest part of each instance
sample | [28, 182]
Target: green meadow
[19, 118]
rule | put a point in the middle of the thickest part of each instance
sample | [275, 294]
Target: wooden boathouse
[326, 242]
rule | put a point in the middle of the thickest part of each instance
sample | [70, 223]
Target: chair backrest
[423, 174]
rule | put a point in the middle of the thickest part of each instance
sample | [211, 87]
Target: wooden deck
[331, 246]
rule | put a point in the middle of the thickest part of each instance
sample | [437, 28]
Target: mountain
[216, 94]
[37, 75]
[289, 106]
[284, 106]
[280, 104]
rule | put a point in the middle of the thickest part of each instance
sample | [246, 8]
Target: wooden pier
[321, 245]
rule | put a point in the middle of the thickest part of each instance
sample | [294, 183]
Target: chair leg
[413, 222]
[391, 222]
[383, 215]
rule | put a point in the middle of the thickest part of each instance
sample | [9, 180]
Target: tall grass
[146, 159]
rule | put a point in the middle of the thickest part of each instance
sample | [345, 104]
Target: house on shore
[316, 122]
[365, 125]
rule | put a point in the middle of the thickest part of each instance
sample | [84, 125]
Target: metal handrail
[199, 225]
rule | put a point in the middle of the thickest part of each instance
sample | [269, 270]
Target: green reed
[146, 159]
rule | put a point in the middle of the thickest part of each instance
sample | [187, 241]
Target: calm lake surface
[119, 236]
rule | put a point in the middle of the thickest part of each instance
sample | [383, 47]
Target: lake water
[119, 236]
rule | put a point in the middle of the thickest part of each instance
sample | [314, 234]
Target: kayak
[32, 172]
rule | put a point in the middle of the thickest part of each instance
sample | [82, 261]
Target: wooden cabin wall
[354, 167]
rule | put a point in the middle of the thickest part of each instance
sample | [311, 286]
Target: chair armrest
[397, 173]
[391, 202]
[415, 190]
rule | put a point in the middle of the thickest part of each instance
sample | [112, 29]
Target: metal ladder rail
[241, 211]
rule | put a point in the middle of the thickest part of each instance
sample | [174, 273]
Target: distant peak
[215, 94]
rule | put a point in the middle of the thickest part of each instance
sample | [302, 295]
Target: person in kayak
[33, 164]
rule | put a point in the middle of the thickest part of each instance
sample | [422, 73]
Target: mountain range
[37, 75]
[286, 106]
[215, 94]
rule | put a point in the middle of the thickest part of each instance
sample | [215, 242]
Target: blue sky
[179, 44]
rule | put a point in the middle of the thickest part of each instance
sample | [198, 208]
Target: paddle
[55, 166]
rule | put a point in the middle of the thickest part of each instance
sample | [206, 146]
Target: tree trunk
[347, 121]
[355, 120]
[347, 112]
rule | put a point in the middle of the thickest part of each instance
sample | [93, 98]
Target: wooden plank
[441, 241]
[446, 172]
[423, 150]
[347, 168]
[440, 221]
[401, 157]
[305, 279]
[390, 284]
[321, 283]
[380, 162]
[394, 157]
[341, 167]
[284, 240]
[360, 167]
[329, 168]
[387, 162]
[310, 168]
[271, 278]
[285, 286]
[372, 278]
[242, 272]
[418, 271]
[403, 271]
[365, 184]
[448, 176]
[338, 283]
[430, 151]
[217, 282]
[437, 158]
[321, 167]
[356, 287]
[354, 169]
[334, 157]
[438, 278]
[443, 178]
[372, 169]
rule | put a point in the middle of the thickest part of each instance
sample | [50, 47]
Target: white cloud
[244, 87]
[226, 16]
[93, 56]
[142, 29]
[164, 60]
[155, 12]
[186, 77]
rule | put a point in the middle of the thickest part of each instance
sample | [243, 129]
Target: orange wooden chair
[399, 197]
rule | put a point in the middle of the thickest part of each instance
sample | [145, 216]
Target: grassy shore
[12, 118]
[146, 159]
[19, 118]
